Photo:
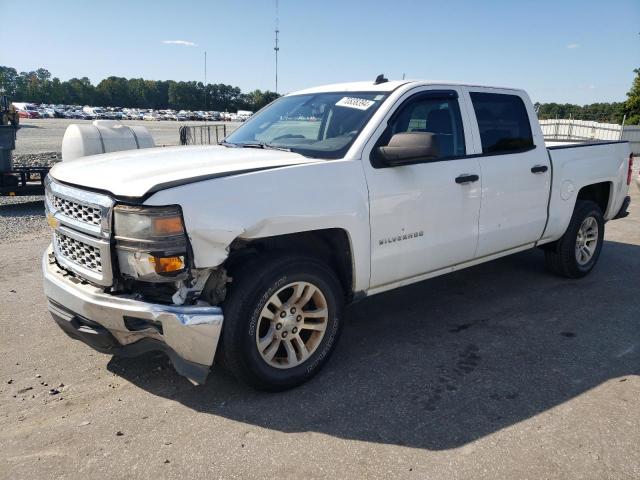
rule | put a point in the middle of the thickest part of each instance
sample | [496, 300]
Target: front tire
[576, 253]
[282, 320]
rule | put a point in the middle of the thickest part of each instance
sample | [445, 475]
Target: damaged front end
[155, 259]
[149, 297]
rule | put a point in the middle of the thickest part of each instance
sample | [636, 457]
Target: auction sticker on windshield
[353, 102]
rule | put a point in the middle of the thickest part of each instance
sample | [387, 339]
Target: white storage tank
[103, 136]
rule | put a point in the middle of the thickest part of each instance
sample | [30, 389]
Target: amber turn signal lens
[167, 264]
[167, 225]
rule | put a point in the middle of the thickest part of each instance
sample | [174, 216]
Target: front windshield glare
[322, 125]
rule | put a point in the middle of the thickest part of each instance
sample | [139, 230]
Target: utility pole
[276, 48]
[205, 81]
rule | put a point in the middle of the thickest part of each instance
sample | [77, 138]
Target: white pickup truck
[245, 252]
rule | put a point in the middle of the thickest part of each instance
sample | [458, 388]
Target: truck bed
[575, 165]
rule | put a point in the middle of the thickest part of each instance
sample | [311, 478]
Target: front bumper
[124, 326]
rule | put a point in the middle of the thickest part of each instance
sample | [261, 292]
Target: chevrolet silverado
[246, 252]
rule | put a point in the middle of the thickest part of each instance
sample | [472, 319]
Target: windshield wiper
[263, 145]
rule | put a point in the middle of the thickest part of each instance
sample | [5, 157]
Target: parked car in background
[93, 112]
[87, 112]
[114, 115]
[46, 113]
[243, 115]
[26, 110]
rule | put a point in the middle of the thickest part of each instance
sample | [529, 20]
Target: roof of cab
[354, 87]
[384, 87]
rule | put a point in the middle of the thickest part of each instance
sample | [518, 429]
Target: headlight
[151, 242]
[148, 223]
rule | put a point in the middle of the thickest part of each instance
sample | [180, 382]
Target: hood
[135, 173]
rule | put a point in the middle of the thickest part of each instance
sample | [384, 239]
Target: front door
[424, 216]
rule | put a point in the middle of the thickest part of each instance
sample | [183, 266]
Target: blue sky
[563, 50]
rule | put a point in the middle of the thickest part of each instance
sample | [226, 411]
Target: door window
[439, 116]
[503, 122]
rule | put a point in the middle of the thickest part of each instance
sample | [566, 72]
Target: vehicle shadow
[442, 363]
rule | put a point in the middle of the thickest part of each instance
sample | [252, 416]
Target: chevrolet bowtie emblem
[52, 221]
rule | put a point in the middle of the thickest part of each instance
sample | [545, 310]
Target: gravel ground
[43, 159]
[20, 216]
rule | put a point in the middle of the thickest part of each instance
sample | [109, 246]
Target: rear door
[516, 170]
[423, 217]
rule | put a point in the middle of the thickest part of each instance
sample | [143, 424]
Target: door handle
[539, 169]
[466, 178]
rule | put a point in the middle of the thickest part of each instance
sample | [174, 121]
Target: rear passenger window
[503, 122]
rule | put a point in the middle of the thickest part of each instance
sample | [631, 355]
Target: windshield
[320, 125]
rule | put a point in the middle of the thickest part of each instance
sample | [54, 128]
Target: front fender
[300, 198]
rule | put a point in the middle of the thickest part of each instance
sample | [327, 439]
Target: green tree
[57, 91]
[9, 80]
[79, 91]
[187, 95]
[34, 86]
[257, 99]
[600, 112]
[114, 92]
[632, 105]
[223, 97]
[159, 93]
[39, 87]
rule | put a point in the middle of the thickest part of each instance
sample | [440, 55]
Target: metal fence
[582, 130]
[632, 134]
[202, 134]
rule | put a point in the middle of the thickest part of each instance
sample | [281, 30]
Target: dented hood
[135, 173]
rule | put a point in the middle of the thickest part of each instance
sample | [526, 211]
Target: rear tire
[273, 337]
[575, 254]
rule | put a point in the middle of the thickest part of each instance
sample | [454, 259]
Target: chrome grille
[82, 230]
[79, 253]
[77, 211]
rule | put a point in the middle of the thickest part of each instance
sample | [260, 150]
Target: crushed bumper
[123, 326]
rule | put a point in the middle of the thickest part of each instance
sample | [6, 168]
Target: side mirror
[409, 147]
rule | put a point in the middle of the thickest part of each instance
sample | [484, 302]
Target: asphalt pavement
[498, 371]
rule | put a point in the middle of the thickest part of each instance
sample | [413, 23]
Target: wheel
[575, 254]
[282, 319]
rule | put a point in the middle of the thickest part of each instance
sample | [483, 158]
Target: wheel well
[598, 193]
[331, 246]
